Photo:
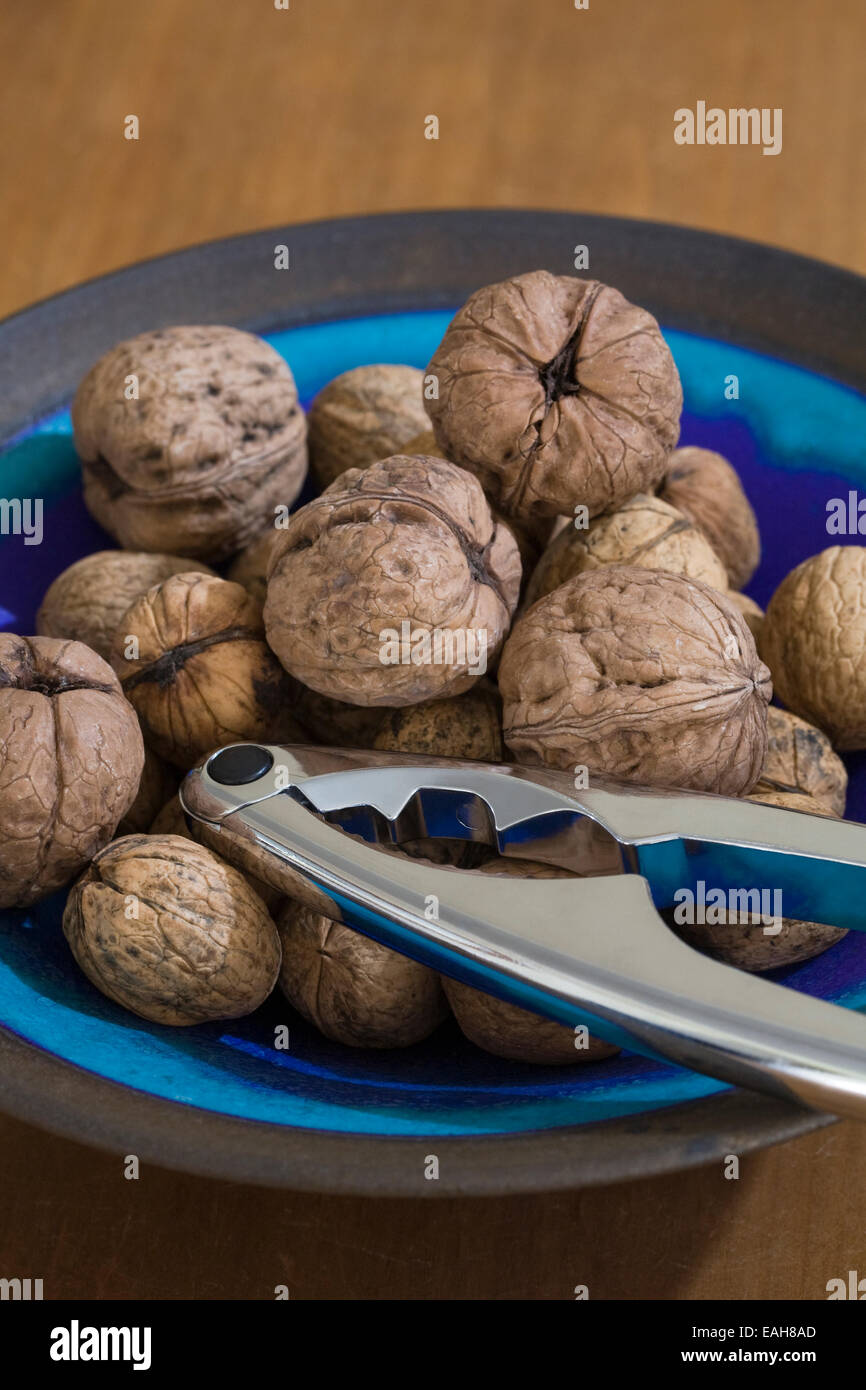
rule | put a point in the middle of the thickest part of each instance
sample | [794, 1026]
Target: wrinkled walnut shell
[87, 601]
[203, 674]
[334, 722]
[406, 541]
[353, 989]
[814, 642]
[465, 726]
[801, 759]
[704, 487]
[71, 758]
[363, 415]
[505, 1029]
[197, 462]
[556, 392]
[641, 675]
[746, 944]
[199, 944]
[644, 531]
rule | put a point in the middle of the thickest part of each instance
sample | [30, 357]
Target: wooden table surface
[252, 116]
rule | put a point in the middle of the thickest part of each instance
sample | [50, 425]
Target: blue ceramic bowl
[219, 1098]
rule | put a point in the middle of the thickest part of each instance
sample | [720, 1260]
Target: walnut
[531, 533]
[363, 415]
[165, 928]
[211, 442]
[157, 783]
[170, 820]
[801, 759]
[644, 531]
[71, 757]
[87, 601]
[355, 990]
[640, 675]
[393, 587]
[705, 488]
[193, 661]
[814, 642]
[752, 612]
[250, 568]
[556, 392]
[505, 1029]
[464, 726]
[748, 944]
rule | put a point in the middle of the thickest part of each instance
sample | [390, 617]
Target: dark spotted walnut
[465, 726]
[505, 1029]
[192, 658]
[165, 928]
[71, 758]
[639, 674]
[704, 487]
[557, 392]
[365, 414]
[644, 531]
[355, 990]
[800, 759]
[395, 562]
[171, 820]
[211, 440]
[87, 601]
[334, 722]
[746, 939]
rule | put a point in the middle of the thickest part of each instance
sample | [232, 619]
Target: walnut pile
[640, 675]
[644, 531]
[556, 392]
[749, 944]
[188, 438]
[505, 1029]
[355, 990]
[800, 759]
[193, 661]
[393, 587]
[165, 928]
[814, 642]
[87, 601]
[365, 414]
[71, 757]
[704, 487]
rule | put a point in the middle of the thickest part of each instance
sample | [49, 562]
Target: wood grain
[252, 117]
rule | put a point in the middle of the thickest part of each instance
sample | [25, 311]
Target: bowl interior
[796, 439]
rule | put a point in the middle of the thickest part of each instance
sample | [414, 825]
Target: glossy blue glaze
[797, 440]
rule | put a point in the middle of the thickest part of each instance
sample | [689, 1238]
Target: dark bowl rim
[778, 302]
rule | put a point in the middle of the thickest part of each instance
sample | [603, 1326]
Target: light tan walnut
[363, 415]
[192, 658]
[87, 601]
[814, 642]
[170, 820]
[644, 531]
[394, 587]
[750, 941]
[640, 675]
[704, 487]
[188, 438]
[505, 1029]
[166, 929]
[801, 759]
[71, 758]
[556, 392]
[355, 990]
